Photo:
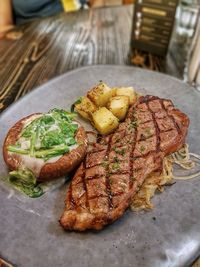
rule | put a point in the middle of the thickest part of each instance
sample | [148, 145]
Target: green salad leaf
[53, 138]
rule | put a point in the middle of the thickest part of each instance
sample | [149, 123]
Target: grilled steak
[116, 166]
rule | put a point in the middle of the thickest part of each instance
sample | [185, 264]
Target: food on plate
[104, 121]
[119, 105]
[184, 159]
[116, 99]
[42, 147]
[85, 107]
[155, 181]
[100, 94]
[116, 165]
[127, 91]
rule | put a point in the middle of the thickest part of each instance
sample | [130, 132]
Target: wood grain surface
[40, 50]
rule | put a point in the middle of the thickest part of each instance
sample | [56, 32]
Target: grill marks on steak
[116, 166]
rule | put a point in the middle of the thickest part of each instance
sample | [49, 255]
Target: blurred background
[184, 34]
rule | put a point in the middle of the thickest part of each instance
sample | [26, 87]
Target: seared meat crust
[50, 170]
[116, 166]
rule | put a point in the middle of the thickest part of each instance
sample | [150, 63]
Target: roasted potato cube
[118, 105]
[114, 91]
[100, 94]
[85, 108]
[128, 91]
[104, 121]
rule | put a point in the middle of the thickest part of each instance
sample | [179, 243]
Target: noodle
[183, 158]
[156, 181]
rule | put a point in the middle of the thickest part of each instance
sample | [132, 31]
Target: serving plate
[169, 235]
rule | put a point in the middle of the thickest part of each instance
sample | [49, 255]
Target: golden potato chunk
[85, 108]
[104, 121]
[100, 94]
[114, 91]
[118, 105]
[128, 91]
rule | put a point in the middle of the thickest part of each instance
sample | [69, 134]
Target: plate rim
[54, 79]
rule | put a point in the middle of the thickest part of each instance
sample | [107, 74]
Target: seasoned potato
[104, 121]
[100, 94]
[118, 105]
[128, 91]
[114, 91]
[85, 108]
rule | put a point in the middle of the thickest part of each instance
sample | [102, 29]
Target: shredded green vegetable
[48, 136]
[25, 181]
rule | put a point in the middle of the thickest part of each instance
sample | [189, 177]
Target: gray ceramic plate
[169, 235]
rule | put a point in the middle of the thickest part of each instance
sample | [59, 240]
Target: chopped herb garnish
[115, 166]
[134, 124]
[104, 164]
[142, 148]
[120, 151]
[116, 159]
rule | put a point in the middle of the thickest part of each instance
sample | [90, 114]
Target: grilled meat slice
[117, 165]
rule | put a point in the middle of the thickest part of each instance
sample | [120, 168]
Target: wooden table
[52, 46]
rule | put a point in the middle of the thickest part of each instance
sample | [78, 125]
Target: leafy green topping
[25, 176]
[25, 181]
[115, 166]
[53, 138]
[47, 136]
[18, 150]
[52, 152]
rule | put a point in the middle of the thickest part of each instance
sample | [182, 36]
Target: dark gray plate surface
[169, 235]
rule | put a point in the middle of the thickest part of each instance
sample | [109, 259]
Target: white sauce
[73, 147]
[53, 127]
[33, 164]
[36, 164]
[30, 119]
[25, 144]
